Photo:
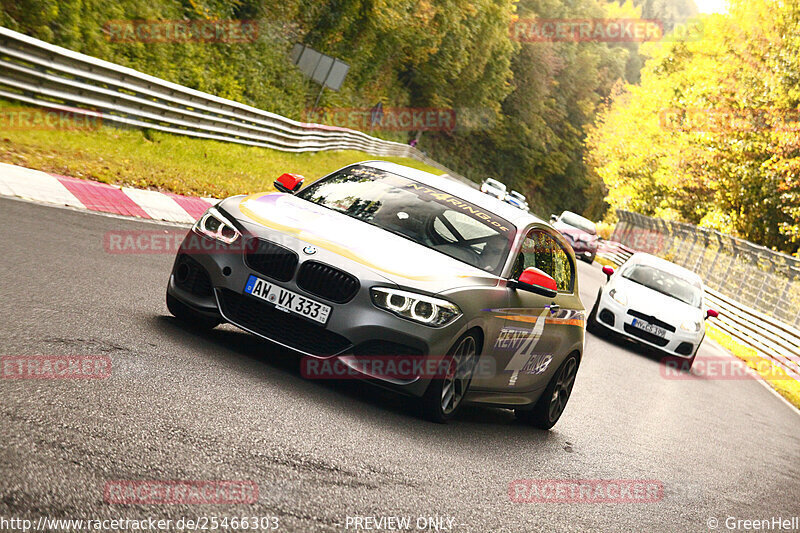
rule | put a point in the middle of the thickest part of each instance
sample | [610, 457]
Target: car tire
[184, 313]
[553, 401]
[444, 395]
[592, 326]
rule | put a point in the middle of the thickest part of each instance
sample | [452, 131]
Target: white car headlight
[417, 307]
[618, 297]
[213, 224]
[691, 326]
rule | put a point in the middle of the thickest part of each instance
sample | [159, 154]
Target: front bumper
[615, 317]
[216, 289]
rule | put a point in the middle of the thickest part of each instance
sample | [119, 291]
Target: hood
[666, 308]
[395, 258]
[572, 231]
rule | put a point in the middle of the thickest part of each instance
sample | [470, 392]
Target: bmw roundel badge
[309, 250]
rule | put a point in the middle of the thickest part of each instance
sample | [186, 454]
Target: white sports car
[654, 302]
[494, 188]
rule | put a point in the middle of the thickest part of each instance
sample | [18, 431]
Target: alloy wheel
[459, 373]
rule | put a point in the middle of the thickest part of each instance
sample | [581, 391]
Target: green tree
[710, 136]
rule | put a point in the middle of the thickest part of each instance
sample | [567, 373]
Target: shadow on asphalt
[230, 340]
[652, 354]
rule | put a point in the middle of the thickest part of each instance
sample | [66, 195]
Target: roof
[515, 215]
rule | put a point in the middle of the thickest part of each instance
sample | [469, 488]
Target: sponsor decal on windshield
[493, 221]
[429, 193]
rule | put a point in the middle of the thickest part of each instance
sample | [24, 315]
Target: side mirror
[290, 183]
[608, 271]
[711, 313]
[534, 280]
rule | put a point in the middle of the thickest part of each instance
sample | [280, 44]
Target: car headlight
[618, 297]
[417, 307]
[213, 224]
[691, 326]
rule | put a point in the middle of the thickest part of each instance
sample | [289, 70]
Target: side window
[542, 251]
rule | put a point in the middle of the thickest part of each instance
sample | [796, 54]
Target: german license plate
[648, 327]
[287, 300]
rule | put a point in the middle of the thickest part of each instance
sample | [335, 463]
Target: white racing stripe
[35, 185]
[158, 206]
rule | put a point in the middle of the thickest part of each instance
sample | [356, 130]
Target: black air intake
[327, 282]
[270, 259]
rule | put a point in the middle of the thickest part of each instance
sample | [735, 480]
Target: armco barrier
[769, 336]
[768, 281]
[37, 73]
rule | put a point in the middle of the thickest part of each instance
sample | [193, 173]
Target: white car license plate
[286, 300]
[648, 327]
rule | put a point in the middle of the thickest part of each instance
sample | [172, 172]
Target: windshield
[496, 184]
[425, 215]
[577, 221]
[667, 283]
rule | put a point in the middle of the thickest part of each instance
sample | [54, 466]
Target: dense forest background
[573, 125]
[711, 134]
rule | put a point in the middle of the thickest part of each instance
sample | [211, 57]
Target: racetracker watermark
[180, 492]
[728, 120]
[585, 491]
[194, 523]
[393, 367]
[720, 368]
[150, 242]
[55, 366]
[385, 118]
[229, 31]
[65, 118]
[600, 30]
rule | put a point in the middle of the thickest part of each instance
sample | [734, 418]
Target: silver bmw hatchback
[411, 280]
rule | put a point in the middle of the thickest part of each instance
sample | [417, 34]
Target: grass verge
[772, 373]
[153, 160]
[606, 262]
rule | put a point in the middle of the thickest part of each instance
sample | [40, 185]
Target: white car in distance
[655, 303]
[494, 188]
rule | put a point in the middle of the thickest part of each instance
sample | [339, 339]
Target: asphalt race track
[223, 405]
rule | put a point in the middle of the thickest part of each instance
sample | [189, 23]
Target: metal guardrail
[768, 280]
[769, 336]
[38, 73]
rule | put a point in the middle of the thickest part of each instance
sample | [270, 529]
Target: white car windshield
[495, 184]
[420, 213]
[667, 283]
